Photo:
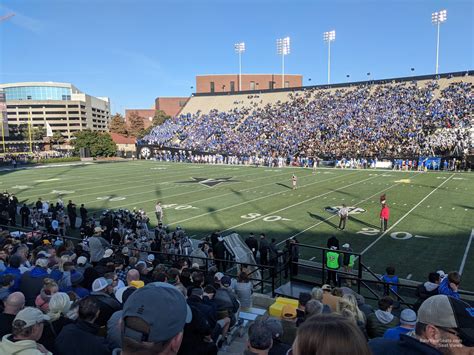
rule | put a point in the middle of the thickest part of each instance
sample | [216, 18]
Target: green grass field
[431, 224]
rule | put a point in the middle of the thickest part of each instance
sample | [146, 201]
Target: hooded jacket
[97, 246]
[379, 321]
[22, 347]
[445, 289]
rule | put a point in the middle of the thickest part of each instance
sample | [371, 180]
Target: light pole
[329, 37]
[437, 18]
[240, 48]
[283, 48]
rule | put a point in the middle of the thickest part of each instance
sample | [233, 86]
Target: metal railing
[281, 269]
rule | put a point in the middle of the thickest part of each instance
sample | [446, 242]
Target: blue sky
[135, 50]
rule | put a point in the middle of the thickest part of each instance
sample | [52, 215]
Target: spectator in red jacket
[384, 216]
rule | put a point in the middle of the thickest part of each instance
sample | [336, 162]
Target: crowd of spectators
[123, 288]
[384, 120]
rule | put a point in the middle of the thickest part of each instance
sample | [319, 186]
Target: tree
[159, 118]
[37, 133]
[100, 144]
[117, 124]
[57, 138]
[135, 124]
[144, 132]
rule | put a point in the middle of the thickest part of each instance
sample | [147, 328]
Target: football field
[431, 224]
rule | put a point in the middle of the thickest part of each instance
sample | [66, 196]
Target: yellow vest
[332, 260]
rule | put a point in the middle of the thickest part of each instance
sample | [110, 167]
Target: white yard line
[104, 193]
[404, 216]
[327, 219]
[291, 206]
[466, 252]
[252, 200]
[244, 190]
[204, 189]
[67, 185]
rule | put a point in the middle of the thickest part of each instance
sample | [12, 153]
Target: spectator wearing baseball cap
[328, 298]
[76, 285]
[445, 325]
[148, 326]
[278, 347]
[27, 328]
[103, 294]
[226, 301]
[260, 339]
[407, 324]
[80, 337]
[82, 264]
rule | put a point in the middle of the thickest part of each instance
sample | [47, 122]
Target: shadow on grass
[351, 218]
[322, 219]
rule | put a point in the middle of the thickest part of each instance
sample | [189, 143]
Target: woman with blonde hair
[359, 315]
[59, 306]
[50, 287]
[347, 307]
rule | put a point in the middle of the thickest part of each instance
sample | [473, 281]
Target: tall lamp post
[437, 18]
[283, 48]
[329, 37]
[239, 49]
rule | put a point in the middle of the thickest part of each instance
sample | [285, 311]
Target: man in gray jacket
[97, 245]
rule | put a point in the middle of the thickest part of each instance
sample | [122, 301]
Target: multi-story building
[64, 107]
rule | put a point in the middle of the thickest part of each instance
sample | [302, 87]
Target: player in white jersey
[294, 180]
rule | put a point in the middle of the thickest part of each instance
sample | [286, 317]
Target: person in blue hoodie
[32, 281]
[450, 284]
[13, 268]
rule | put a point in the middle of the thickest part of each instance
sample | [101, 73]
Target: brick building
[218, 83]
[230, 82]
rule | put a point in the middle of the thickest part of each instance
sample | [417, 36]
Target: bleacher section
[406, 117]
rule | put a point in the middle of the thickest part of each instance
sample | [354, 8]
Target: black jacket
[207, 310]
[31, 283]
[193, 335]
[51, 330]
[252, 243]
[405, 346]
[80, 338]
[108, 305]
[264, 246]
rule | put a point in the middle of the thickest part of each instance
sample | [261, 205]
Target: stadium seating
[390, 119]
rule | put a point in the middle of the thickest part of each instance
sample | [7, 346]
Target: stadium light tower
[437, 18]
[283, 48]
[240, 48]
[329, 37]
